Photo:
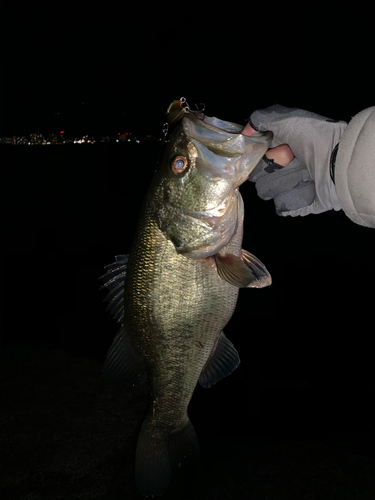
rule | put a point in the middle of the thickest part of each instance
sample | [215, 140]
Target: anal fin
[222, 362]
[121, 364]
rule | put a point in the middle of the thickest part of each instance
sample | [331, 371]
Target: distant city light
[59, 138]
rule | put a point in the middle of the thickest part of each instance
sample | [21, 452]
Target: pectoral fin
[243, 272]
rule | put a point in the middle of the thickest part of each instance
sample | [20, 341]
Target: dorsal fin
[121, 364]
[223, 361]
[114, 280]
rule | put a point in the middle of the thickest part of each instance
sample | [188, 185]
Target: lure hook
[203, 107]
[165, 130]
[187, 109]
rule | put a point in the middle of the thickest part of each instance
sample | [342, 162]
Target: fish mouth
[221, 159]
[222, 150]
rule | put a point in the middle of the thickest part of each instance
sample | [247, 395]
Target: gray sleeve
[355, 169]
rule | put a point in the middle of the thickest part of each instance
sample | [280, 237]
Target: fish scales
[165, 297]
[183, 275]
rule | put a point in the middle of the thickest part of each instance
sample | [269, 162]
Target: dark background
[306, 373]
[92, 69]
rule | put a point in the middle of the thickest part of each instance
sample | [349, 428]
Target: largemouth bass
[183, 275]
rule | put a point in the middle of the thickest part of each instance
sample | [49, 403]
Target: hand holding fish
[298, 172]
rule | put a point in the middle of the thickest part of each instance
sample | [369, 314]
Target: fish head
[194, 194]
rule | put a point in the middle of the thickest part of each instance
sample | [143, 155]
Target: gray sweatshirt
[355, 169]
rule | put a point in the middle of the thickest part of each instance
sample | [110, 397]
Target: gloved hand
[304, 186]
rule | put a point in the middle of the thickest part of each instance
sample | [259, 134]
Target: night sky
[88, 69]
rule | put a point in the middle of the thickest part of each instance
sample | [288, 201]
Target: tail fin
[159, 455]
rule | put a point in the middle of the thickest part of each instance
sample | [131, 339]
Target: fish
[178, 287]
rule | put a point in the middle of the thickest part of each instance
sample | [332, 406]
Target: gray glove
[305, 185]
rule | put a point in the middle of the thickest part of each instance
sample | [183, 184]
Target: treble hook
[201, 110]
[187, 109]
[165, 131]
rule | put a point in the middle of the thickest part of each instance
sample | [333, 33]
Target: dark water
[69, 209]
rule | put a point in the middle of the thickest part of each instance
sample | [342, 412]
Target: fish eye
[179, 164]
